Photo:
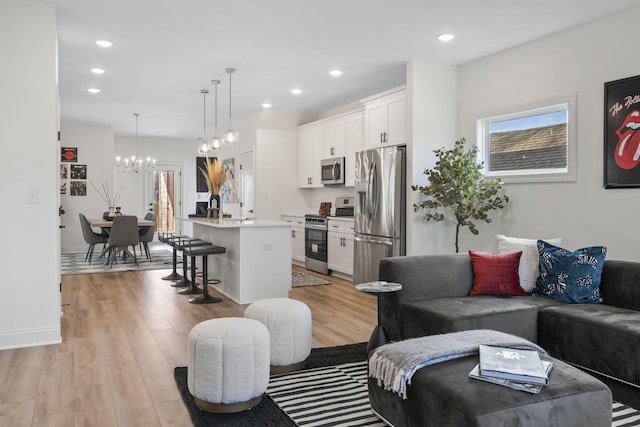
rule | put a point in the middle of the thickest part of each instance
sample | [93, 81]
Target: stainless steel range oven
[315, 243]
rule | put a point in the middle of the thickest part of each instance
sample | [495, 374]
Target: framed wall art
[78, 171]
[68, 154]
[622, 133]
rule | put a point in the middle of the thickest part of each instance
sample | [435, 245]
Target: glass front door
[164, 196]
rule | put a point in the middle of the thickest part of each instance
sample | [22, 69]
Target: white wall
[95, 149]
[30, 302]
[432, 121]
[580, 60]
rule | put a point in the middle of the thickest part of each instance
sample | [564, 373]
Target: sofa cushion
[600, 337]
[528, 268]
[572, 277]
[515, 315]
[496, 274]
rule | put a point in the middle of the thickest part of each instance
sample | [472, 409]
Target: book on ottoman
[512, 364]
[528, 387]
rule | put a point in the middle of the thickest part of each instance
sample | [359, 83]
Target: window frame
[560, 103]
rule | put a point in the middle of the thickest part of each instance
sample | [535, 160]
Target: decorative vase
[118, 212]
[218, 204]
[112, 212]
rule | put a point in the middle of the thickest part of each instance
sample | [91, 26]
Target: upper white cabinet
[354, 138]
[386, 118]
[334, 139]
[339, 136]
[310, 152]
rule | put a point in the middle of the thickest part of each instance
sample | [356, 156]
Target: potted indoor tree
[458, 191]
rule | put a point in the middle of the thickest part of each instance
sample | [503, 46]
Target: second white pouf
[289, 325]
[228, 364]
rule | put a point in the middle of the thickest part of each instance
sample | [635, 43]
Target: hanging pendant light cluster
[135, 164]
[230, 137]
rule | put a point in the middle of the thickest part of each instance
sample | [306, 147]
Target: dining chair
[145, 234]
[91, 237]
[124, 233]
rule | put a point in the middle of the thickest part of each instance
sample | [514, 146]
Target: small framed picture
[622, 133]
[78, 188]
[78, 171]
[64, 172]
[68, 154]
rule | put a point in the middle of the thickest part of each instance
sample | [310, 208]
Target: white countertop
[236, 223]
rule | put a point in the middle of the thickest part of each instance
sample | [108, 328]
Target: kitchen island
[257, 264]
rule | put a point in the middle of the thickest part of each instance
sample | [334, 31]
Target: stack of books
[514, 368]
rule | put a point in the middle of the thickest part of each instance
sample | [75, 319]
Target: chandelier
[135, 164]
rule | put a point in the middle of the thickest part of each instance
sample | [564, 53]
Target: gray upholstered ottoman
[444, 395]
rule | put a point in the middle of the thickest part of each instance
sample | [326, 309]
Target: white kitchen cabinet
[386, 118]
[354, 138]
[334, 139]
[297, 238]
[340, 246]
[310, 152]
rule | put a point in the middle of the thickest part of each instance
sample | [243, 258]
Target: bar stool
[204, 251]
[172, 241]
[185, 282]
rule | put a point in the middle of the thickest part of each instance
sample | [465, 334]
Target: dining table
[105, 224]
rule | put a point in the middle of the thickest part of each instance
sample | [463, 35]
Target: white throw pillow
[528, 269]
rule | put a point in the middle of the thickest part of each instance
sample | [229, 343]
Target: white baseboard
[31, 338]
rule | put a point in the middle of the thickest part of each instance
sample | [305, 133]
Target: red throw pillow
[496, 274]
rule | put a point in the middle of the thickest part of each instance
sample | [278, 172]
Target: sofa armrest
[620, 284]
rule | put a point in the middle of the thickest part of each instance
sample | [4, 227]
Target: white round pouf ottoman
[289, 324]
[228, 364]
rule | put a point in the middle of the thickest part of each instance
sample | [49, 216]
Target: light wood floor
[123, 333]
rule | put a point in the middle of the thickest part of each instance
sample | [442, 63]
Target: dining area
[120, 236]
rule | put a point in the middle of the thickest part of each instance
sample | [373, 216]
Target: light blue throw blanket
[393, 365]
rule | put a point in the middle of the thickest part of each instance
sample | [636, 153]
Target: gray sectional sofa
[435, 299]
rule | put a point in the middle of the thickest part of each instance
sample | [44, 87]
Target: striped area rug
[337, 396]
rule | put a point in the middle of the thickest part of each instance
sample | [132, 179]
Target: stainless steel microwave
[332, 171]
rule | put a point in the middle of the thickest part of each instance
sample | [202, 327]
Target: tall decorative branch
[105, 194]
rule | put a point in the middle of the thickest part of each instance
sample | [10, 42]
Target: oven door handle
[315, 227]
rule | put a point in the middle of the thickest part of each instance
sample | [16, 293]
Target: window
[530, 143]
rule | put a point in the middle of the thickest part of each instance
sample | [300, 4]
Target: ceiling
[165, 51]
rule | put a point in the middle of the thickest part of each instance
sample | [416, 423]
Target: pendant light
[203, 148]
[135, 164]
[215, 143]
[230, 136]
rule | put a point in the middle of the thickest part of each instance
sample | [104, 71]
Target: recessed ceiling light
[446, 37]
[296, 91]
[94, 90]
[335, 73]
[266, 105]
[104, 43]
[97, 71]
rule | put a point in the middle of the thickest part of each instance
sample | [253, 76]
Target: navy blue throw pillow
[572, 277]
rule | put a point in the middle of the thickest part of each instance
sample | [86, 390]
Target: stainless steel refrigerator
[380, 209]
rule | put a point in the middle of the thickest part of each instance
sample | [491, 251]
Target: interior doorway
[164, 196]
[247, 186]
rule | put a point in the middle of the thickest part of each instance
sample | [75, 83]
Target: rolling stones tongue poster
[622, 133]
